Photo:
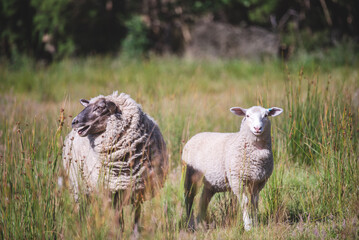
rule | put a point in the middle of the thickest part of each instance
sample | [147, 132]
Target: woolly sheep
[241, 162]
[114, 143]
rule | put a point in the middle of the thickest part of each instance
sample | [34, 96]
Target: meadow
[312, 194]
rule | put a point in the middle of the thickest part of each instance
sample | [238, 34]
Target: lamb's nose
[258, 129]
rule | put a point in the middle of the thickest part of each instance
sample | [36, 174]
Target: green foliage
[88, 27]
[51, 18]
[16, 27]
[136, 42]
[261, 14]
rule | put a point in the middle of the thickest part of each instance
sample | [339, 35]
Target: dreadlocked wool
[130, 154]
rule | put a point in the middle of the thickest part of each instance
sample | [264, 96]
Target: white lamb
[241, 162]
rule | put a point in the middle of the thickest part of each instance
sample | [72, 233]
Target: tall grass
[313, 192]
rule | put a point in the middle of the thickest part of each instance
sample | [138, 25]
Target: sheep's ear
[238, 111]
[84, 102]
[274, 111]
[111, 106]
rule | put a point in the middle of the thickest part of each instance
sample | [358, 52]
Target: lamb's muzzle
[241, 162]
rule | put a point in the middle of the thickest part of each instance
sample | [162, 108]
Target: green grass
[313, 192]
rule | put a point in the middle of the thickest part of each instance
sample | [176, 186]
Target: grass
[313, 192]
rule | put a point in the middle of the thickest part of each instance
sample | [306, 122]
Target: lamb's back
[205, 153]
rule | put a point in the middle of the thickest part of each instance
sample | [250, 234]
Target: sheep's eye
[247, 116]
[97, 108]
[266, 115]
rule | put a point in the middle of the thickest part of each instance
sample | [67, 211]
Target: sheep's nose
[258, 129]
[75, 121]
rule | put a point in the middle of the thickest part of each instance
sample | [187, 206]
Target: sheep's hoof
[136, 233]
[191, 226]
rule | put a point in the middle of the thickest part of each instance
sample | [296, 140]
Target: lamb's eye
[247, 116]
[266, 115]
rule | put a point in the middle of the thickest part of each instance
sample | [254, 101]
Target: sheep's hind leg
[190, 188]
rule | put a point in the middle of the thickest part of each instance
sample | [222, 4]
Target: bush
[136, 43]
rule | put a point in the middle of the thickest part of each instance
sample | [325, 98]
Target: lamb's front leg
[246, 210]
[254, 207]
[239, 189]
[254, 191]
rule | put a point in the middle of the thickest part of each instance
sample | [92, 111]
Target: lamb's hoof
[247, 227]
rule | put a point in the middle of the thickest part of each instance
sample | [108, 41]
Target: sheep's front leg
[116, 199]
[136, 232]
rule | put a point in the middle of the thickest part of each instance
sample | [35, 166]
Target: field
[312, 194]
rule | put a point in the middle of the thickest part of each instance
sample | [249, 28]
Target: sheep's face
[93, 119]
[256, 118]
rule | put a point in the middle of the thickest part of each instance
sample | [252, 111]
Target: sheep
[114, 144]
[241, 162]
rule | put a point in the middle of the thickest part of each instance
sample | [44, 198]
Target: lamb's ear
[84, 102]
[274, 111]
[238, 111]
[111, 106]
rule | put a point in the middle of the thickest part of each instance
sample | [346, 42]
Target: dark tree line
[58, 28]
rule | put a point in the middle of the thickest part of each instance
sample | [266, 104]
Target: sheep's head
[256, 118]
[93, 119]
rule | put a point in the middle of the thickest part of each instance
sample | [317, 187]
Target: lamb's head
[256, 118]
[93, 119]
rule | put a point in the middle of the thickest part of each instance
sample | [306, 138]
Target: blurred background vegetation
[55, 29]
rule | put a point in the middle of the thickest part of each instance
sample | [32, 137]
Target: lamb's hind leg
[190, 191]
[206, 197]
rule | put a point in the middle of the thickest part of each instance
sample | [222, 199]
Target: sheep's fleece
[130, 154]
